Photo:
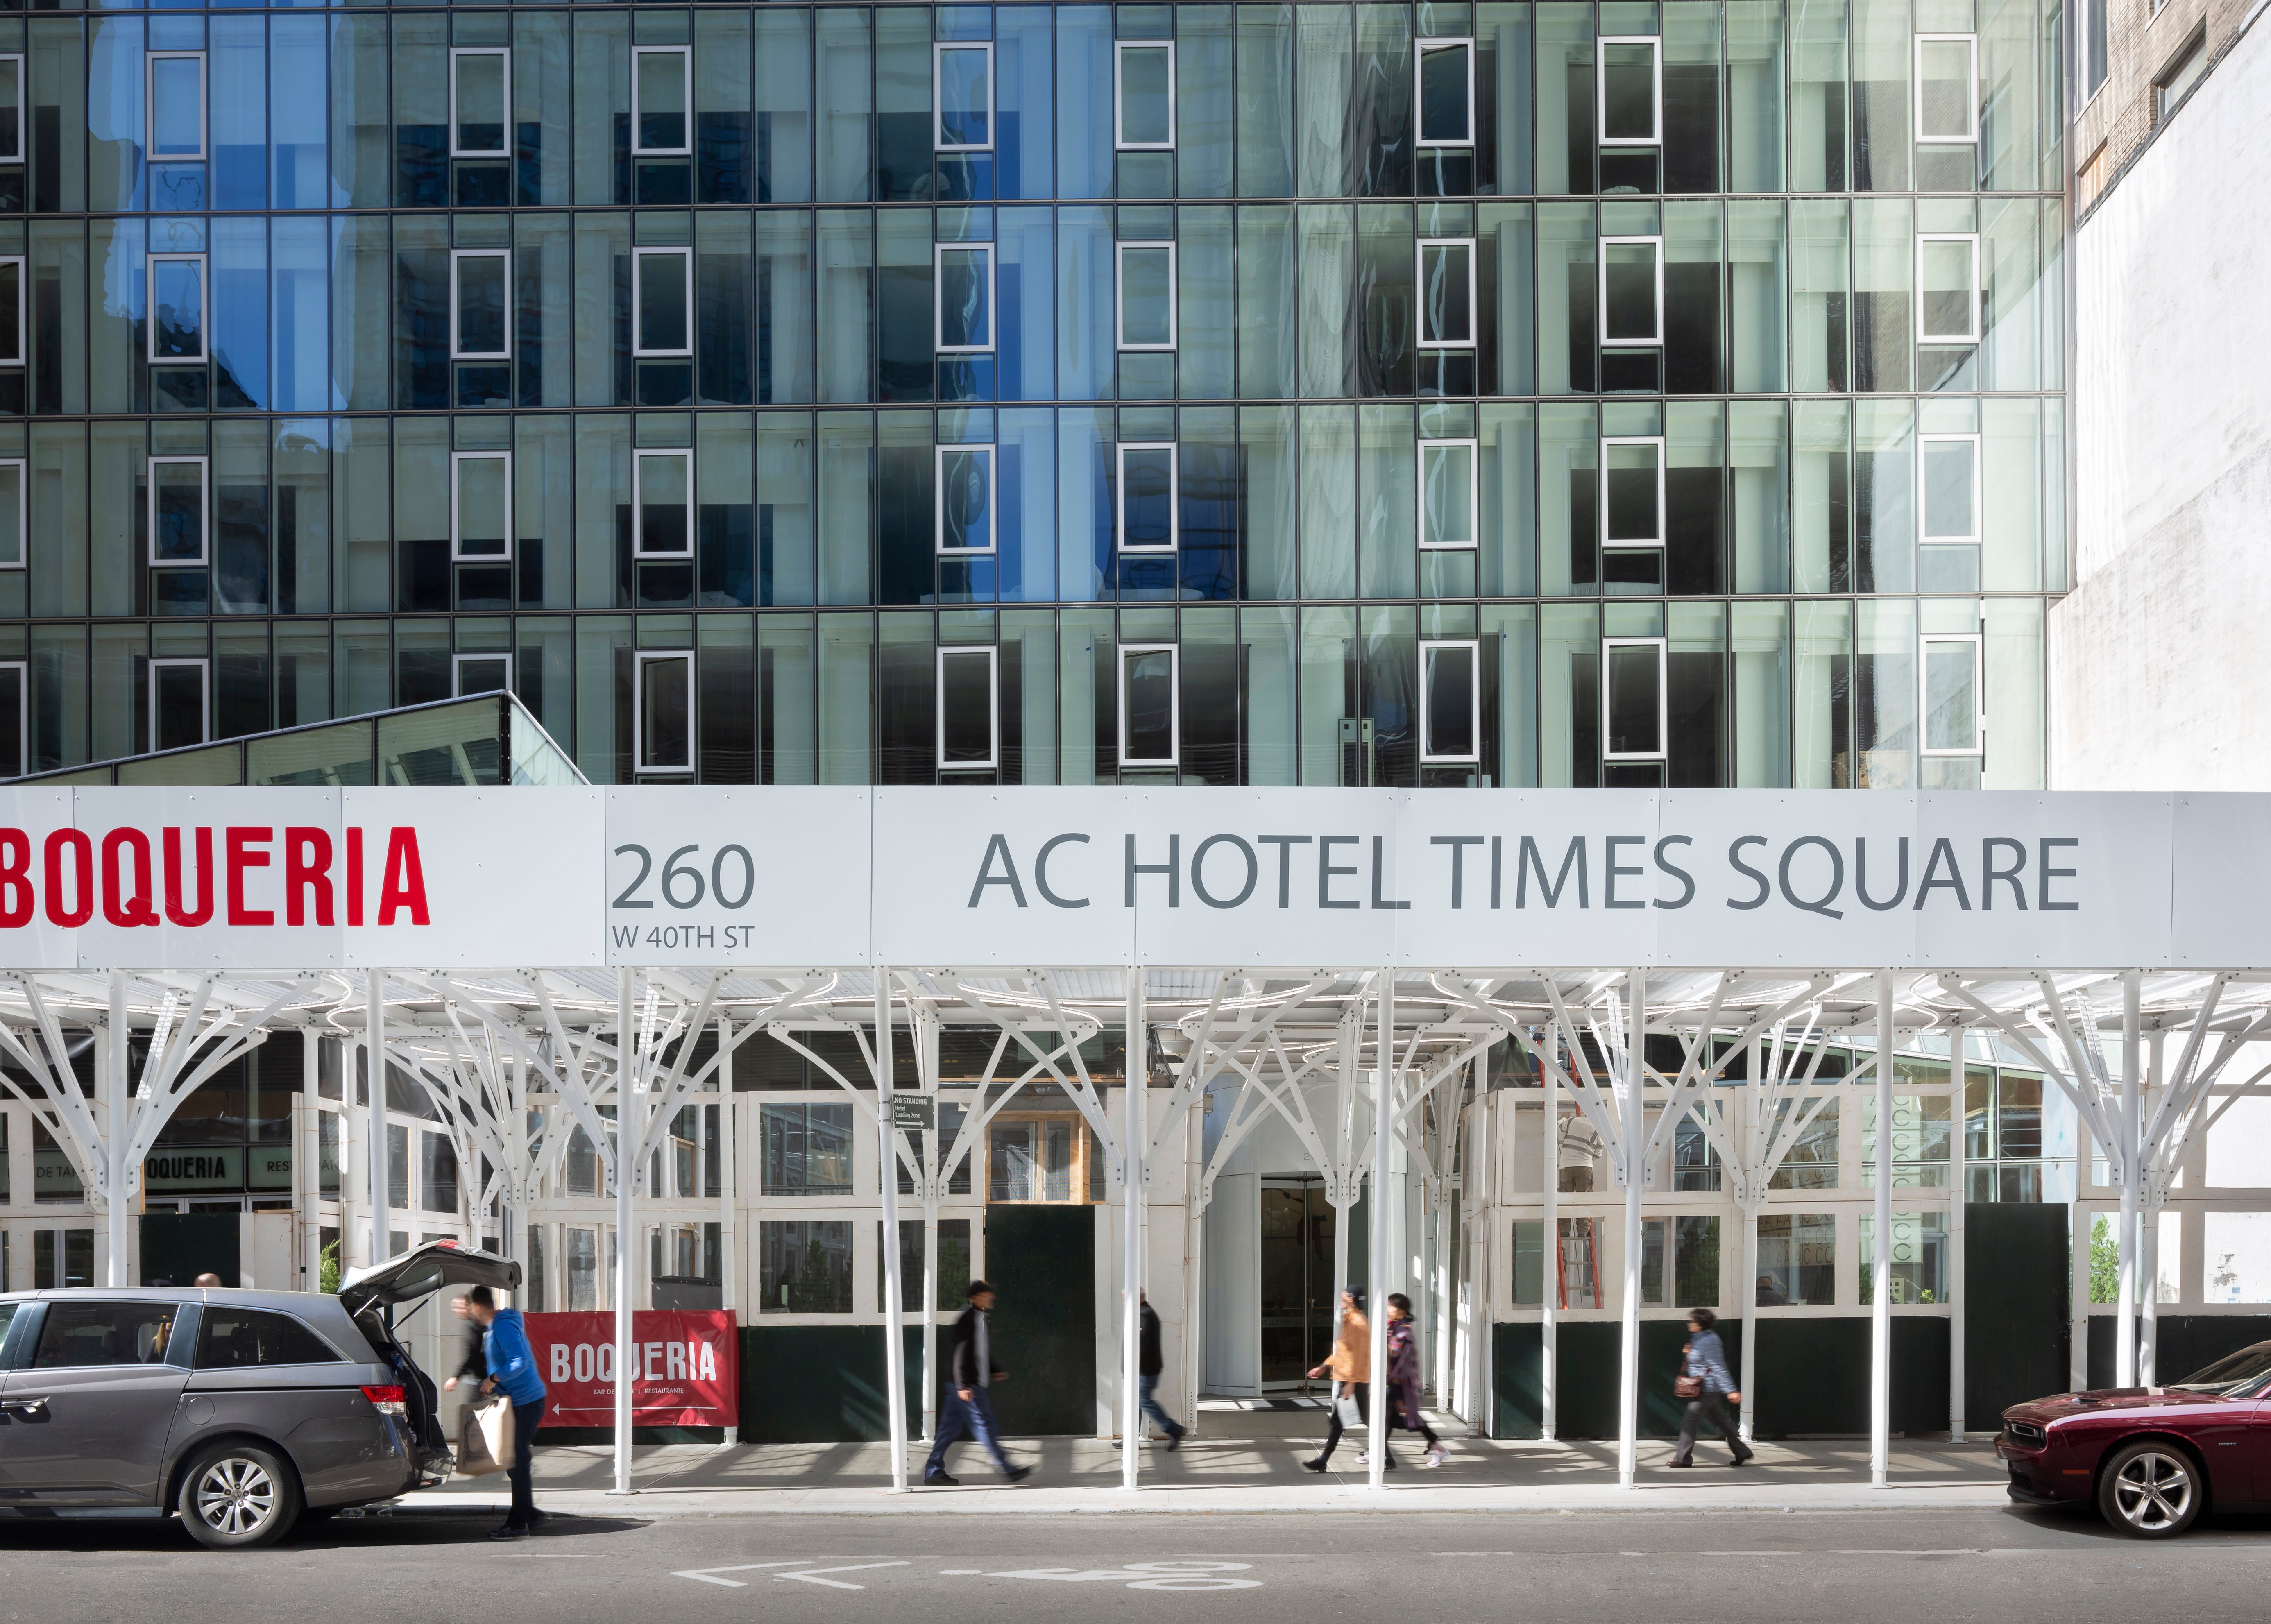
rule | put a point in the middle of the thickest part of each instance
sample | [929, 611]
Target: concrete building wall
[2148, 46]
[2157, 675]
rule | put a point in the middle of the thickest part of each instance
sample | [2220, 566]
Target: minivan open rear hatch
[371, 1295]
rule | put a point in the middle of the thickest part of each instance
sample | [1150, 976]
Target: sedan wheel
[235, 1496]
[2150, 1490]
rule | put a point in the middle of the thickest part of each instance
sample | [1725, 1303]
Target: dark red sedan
[2153, 1458]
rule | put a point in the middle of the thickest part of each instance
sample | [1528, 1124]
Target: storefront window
[1679, 1262]
[1043, 1158]
[1921, 1124]
[807, 1150]
[1919, 1260]
[805, 1267]
[1798, 1259]
[1811, 1162]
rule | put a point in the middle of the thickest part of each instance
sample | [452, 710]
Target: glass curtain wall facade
[1547, 393]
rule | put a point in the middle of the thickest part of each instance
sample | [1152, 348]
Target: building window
[2089, 50]
[662, 294]
[1144, 95]
[1149, 509]
[1150, 732]
[1443, 89]
[11, 310]
[1798, 1261]
[1951, 704]
[969, 711]
[1922, 1124]
[1630, 86]
[177, 703]
[805, 1267]
[1042, 1158]
[662, 716]
[1577, 1263]
[1451, 704]
[480, 103]
[480, 505]
[177, 308]
[1919, 1257]
[177, 511]
[662, 90]
[1679, 1262]
[437, 1174]
[1632, 491]
[1449, 471]
[962, 90]
[481, 673]
[963, 273]
[1446, 268]
[1633, 698]
[11, 109]
[1947, 487]
[177, 106]
[480, 284]
[13, 513]
[808, 1149]
[2177, 79]
[662, 498]
[583, 1270]
[15, 726]
[1632, 291]
[1811, 1162]
[966, 499]
[1947, 288]
[1947, 87]
[1146, 295]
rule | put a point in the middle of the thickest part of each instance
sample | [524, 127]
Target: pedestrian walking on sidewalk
[965, 1406]
[1351, 1368]
[1149, 1363]
[1705, 1383]
[511, 1367]
[1403, 1385]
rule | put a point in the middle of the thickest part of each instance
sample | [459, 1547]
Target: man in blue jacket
[511, 1365]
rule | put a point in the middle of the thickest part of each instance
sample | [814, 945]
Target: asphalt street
[2002, 1565]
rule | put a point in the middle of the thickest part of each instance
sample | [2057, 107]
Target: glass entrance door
[1297, 1285]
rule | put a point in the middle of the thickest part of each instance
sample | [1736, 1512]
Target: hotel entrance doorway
[1297, 1282]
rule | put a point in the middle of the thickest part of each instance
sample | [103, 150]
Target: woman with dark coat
[1404, 1381]
[1703, 1363]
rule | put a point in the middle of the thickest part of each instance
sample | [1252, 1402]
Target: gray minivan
[242, 1410]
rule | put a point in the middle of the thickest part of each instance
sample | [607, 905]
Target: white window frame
[1654, 42]
[1662, 647]
[1971, 96]
[640, 254]
[1474, 650]
[204, 465]
[1473, 448]
[23, 763]
[205, 691]
[458, 662]
[23, 467]
[1120, 50]
[685, 56]
[939, 142]
[23, 277]
[1174, 498]
[1601, 292]
[22, 84]
[1979, 691]
[459, 256]
[1420, 248]
[150, 61]
[457, 460]
[992, 702]
[641, 659]
[1420, 50]
[1174, 757]
[150, 263]
[1118, 303]
[639, 457]
[938, 253]
[1977, 292]
[504, 54]
[1977, 495]
[938, 480]
[1662, 515]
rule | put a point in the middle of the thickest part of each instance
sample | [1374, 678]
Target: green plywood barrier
[2183, 1343]
[822, 1383]
[1041, 1259]
[178, 1247]
[1812, 1376]
[2015, 1347]
[1589, 1364]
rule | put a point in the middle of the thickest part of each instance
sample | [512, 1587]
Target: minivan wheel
[237, 1496]
[2150, 1489]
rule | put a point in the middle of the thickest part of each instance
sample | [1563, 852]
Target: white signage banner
[796, 878]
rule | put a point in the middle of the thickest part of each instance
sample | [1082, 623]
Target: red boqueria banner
[687, 1375]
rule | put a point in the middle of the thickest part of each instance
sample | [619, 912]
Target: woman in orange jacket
[1351, 1368]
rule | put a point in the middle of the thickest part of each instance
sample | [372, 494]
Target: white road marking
[1185, 1575]
[707, 1575]
[812, 1575]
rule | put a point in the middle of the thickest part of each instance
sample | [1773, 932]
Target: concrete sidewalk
[1244, 1465]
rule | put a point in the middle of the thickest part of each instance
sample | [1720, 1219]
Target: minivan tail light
[387, 1401]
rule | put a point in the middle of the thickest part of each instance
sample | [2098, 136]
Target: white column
[1376, 1276]
[2124, 1327]
[2148, 1227]
[1632, 1133]
[1549, 1325]
[114, 1135]
[1958, 1192]
[1746, 1282]
[630, 1128]
[887, 1178]
[1131, 1240]
[1880, 1311]
[729, 1254]
[374, 1046]
[929, 1311]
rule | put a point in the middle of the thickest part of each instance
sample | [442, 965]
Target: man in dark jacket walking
[1150, 1362]
[965, 1406]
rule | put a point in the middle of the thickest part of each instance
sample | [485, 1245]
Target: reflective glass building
[1522, 394]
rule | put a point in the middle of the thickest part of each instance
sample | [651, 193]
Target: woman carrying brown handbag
[1705, 1383]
